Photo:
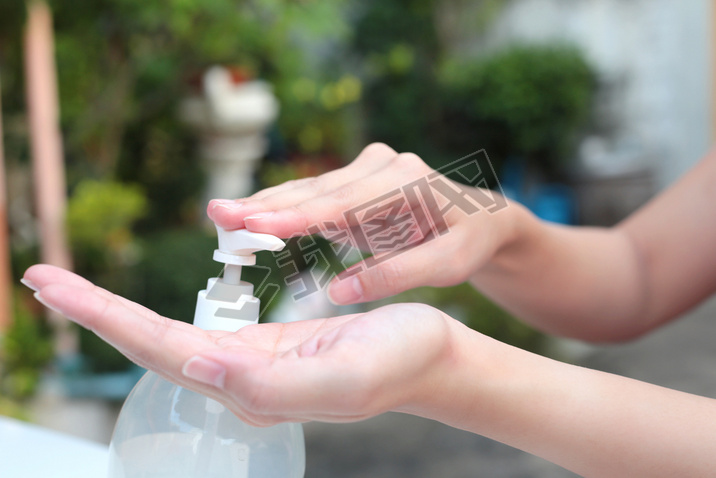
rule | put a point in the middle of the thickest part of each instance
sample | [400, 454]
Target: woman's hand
[436, 253]
[409, 358]
[338, 369]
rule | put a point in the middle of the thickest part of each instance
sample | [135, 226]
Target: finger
[336, 205]
[41, 275]
[372, 159]
[290, 185]
[231, 214]
[154, 342]
[150, 340]
[38, 276]
[377, 278]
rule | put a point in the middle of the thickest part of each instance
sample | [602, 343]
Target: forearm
[610, 284]
[593, 423]
[575, 281]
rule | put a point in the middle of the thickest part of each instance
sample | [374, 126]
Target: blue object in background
[554, 202]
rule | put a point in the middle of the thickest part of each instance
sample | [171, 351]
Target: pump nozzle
[228, 303]
[237, 248]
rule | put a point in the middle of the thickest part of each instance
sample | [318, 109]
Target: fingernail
[30, 284]
[205, 371]
[226, 204]
[259, 215]
[42, 301]
[347, 291]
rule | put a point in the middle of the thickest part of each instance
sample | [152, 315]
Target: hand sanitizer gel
[166, 431]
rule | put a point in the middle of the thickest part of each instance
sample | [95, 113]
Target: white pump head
[238, 246]
[228, 303]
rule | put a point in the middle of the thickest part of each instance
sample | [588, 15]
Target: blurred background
[122, 118]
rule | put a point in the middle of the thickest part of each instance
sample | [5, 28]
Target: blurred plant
[398, 43]
[458, 19]
[128, 61]
[312, 117]
[528, 101]
[159, 156]
[25, 349]
[273, 174]
[123, 65]
[100, 215]
[174, 267]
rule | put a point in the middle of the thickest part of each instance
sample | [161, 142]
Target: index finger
[41, 275]
[383, 187]
[150, 340]
[230, 214]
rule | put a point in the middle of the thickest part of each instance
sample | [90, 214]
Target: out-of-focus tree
[124, 65]
[399, 46]
[99, 218]
[123, 68]
[528, 101]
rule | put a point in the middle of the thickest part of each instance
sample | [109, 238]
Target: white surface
[29, 451]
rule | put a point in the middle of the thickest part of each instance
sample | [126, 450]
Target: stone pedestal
[232, 117]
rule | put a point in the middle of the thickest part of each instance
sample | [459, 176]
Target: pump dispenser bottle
[166, 431]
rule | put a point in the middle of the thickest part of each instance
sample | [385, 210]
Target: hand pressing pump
[165, 430]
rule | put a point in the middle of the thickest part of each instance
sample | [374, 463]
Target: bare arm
[353, 367]
[612, 284]
[593, 423]
[596, 284]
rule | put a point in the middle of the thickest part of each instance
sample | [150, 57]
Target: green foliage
[398, 44]
[100, 213]
[124, 62]
[25, 349]
[99, 219]
[160, 157]
[12, 16]
[311, 118]
[123, 66]
[530, 101]
[174, 267]
[100, 216]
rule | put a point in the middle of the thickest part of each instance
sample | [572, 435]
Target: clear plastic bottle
[167, 431]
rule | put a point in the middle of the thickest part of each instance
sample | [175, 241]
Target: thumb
[373, 279]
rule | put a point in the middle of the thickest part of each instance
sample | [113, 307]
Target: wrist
[517, 230]
[450, 389]
[489, 388]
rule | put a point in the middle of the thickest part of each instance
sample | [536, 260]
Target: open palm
[337, 369]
